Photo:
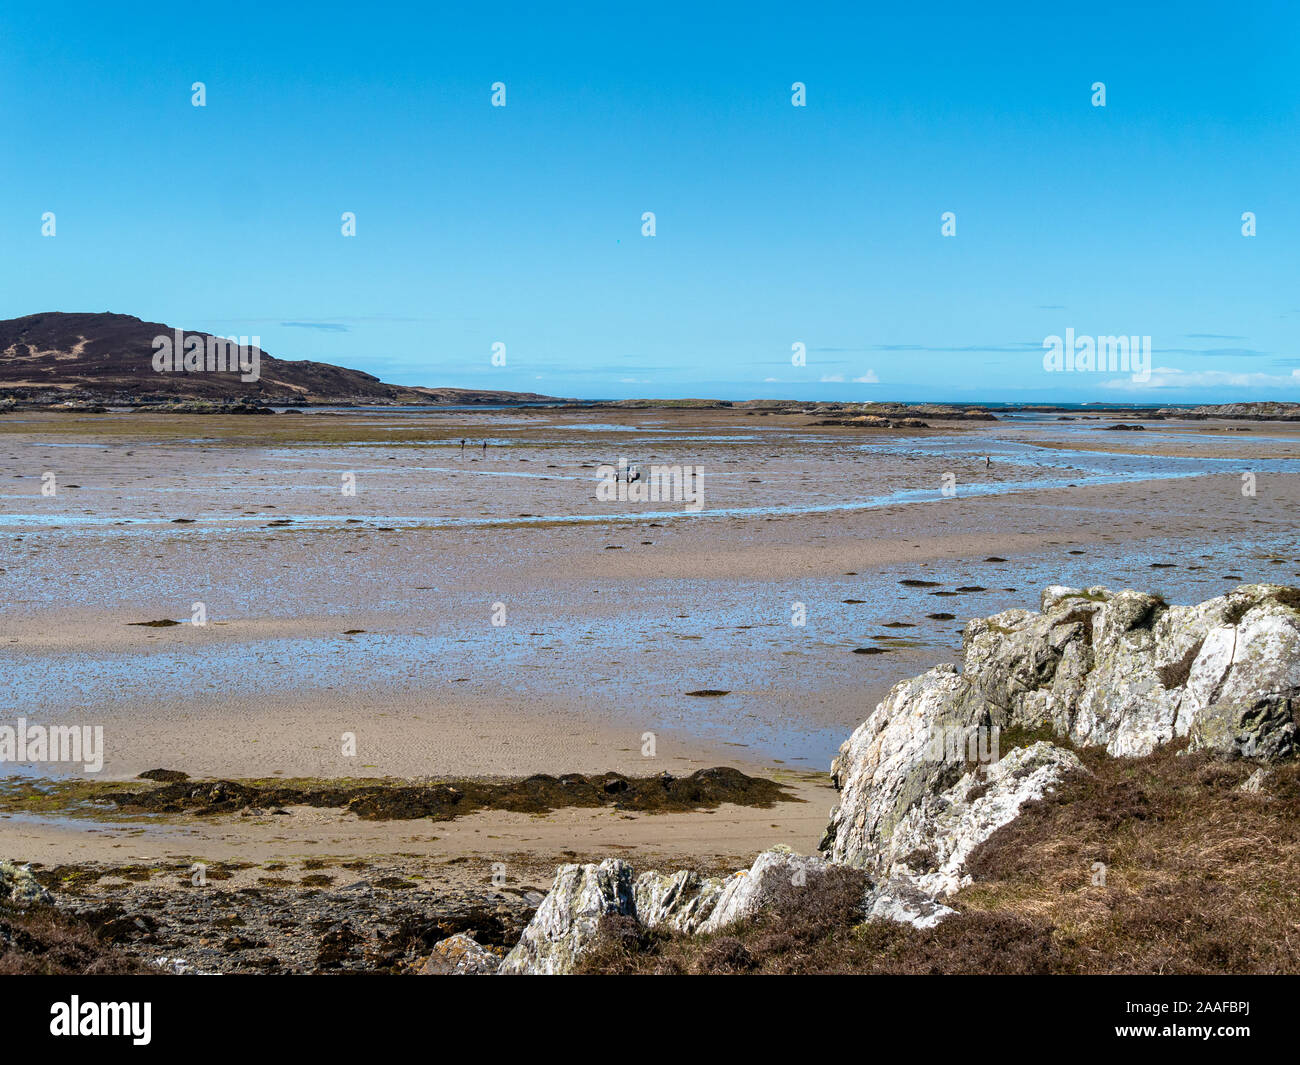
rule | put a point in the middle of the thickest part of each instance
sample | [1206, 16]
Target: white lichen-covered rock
[899, 899]
[19, 888]
[904, 812]
[933, 841]
[1250, 706]
[568, 919]
[460, 955]
[755, 889]
[679, 902]
[1126, 671]
[887, 766]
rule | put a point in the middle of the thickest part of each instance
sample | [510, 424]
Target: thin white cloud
[1172, 377]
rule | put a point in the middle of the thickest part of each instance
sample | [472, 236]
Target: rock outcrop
[1128, 672]
[752, 891]
[19, 888]
[907, 809]
[567, 921]
[886, 767]
[931, 841]
[875, 421]
[1259, 411]
[680, 901]
[899, 899]
[1254, 784]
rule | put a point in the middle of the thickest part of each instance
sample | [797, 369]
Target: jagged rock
[680, 901]
[1126, 671]
[935, 838]
[19, 887]
[568, 919]
[753, 890]
[899, 899]
[886, 767]
[460, 955]
[906, 812]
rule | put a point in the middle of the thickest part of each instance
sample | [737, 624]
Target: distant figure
[485, 449]
[988, 461]
[462, 447]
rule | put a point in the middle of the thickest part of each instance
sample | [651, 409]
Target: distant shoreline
[85, 402]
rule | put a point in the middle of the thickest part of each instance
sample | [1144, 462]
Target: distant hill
[109, 358]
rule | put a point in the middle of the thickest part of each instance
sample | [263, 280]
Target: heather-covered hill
[108, 358]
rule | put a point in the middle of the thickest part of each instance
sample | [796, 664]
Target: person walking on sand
[462, 447]
[485, 449]
[988, 461]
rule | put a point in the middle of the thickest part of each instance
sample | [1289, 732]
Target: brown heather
[41, 941]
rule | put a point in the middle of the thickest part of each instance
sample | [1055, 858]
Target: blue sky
[775, 224]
